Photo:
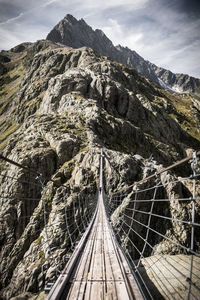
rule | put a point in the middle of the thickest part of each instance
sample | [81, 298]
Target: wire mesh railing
[157, 223]
[43, 231]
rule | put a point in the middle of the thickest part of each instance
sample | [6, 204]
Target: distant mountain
[58, 107]
[76, 34]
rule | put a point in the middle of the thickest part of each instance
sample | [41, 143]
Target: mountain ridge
[58, 106]
[77, 33]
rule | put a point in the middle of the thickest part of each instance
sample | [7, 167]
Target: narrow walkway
[101, 270]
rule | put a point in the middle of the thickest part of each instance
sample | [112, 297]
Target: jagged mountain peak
[72, 21]
[70, 18]
[59, 105]
[77, 33]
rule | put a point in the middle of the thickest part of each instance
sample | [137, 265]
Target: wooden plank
[82, 269]
[96, 272]
[108, 252]
[78, 291]
[131, 283]
[122, 292]
[101, 272]
[94, 290]
[111, 292]
[114, 270]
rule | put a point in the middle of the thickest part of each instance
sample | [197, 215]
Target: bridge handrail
[176, 164]
[64, 277]
[129, 204]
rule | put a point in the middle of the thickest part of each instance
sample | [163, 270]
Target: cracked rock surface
[60, 106]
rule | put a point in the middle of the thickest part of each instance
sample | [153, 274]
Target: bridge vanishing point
[98, 269]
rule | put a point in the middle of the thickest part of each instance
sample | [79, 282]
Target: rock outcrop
[76, 34]
[59, 106]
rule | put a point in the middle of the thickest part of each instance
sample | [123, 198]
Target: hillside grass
[184, 116]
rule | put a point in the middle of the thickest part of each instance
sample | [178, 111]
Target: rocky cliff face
[74, 33]
[59, 106]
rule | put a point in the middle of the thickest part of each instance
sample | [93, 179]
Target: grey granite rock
[77, 33]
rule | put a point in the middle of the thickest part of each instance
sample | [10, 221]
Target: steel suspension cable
[119, 196]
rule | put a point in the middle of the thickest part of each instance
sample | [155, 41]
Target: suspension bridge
[122, 262]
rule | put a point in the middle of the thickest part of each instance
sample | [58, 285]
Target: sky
[165, 32]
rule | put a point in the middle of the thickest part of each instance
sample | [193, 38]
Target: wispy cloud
[12, 20]
[116, 33]
[129, 4]
[162, 35]
[165, 32]
[45, 4]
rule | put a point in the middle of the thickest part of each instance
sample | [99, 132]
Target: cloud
[165, 32]
[11, 38]
[14, 10]
[160, 34]
[129, 4]
[176, 42]
[48, 3]
[11, 9]
[116, 33]
[11, 20]
[113, 30]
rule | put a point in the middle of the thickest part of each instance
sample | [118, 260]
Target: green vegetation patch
[183, 113]
[6, 132]
[42, 256]
[39, 240]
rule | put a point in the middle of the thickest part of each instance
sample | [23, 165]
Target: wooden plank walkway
[97, 269]
[101, 270]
